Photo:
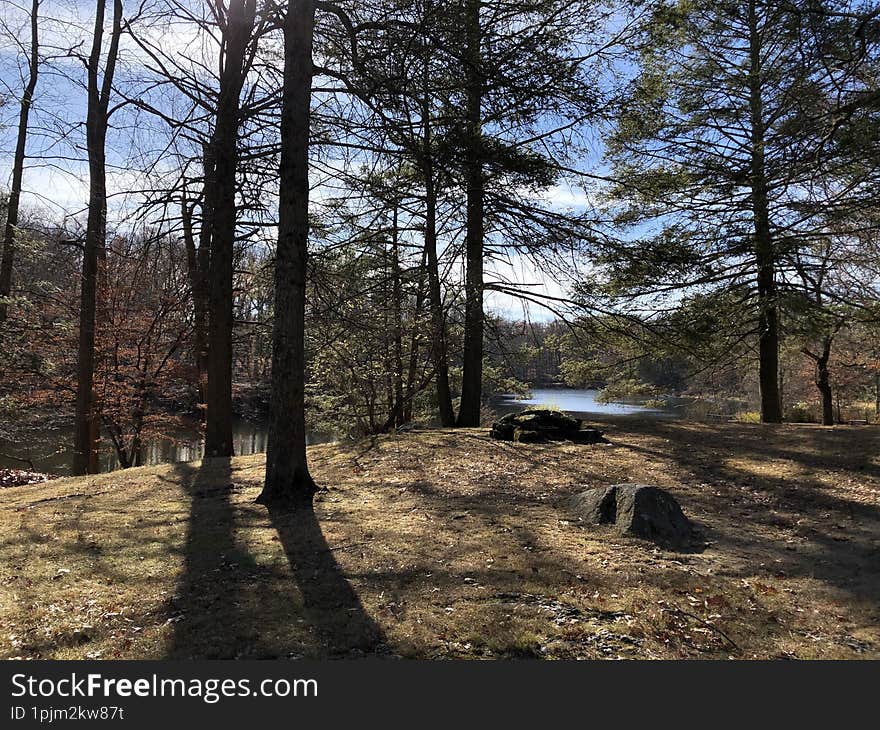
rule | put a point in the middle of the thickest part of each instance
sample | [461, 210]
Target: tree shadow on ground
[228, 605]
[330, 603]
[807, 528]
[207, 622]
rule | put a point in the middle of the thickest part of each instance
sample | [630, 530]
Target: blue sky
[55, 180]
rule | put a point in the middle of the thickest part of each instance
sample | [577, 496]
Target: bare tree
[12, 205]
[87, 429]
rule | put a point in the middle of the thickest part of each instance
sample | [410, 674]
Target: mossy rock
[538, 425]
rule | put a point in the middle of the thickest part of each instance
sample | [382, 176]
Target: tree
[717, 152]
[13, 201]
[472, 358]
[145, 293]
[99, 89]
[220, 201]
[523, 81]
[198, 258]
[288, 481]
[818, 322]
[369, 341]
[474, 125]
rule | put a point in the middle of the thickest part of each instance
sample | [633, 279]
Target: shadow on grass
[228, 606]
[330, 603]
[206, 619]
[838, 534]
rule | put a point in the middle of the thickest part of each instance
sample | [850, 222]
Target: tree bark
[412, 369]
[472, 365]
[220, 196]
[822, 379]
[768, 315]
[823, 383]
[397, 314]
[288, 481]
[196, 261]
[439, 349]
[12, 205]
[87, 418]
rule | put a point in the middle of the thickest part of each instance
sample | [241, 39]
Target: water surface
[51, 450]
[579, 402]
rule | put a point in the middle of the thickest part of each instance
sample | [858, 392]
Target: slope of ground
[446, 544]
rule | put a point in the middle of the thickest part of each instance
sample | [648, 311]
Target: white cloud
[519, 272]
[567, 197]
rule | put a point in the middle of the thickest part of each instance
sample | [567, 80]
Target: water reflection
[50, 450]
[579, 403]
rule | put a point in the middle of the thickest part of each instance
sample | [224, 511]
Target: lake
[50, 450]
[581, 403]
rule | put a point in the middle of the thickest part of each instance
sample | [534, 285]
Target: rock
[636, 509]
[537, 425]
[588, 436]
[596, 506]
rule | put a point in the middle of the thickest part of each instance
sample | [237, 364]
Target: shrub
[802, 412]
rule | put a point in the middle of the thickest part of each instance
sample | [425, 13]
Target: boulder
[639, 510]
[596, 506]
[537, 425]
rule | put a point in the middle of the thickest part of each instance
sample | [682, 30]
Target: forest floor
[446, 544]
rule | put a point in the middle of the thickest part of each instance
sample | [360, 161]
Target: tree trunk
[196, 268]
[288, 481]
[768, 316]
[87, 419]
[412, 369]
[472, 365]
[220, 196]
[397, 299]
[12, 205]
[439, 350]
[823, 383]
[435, 295]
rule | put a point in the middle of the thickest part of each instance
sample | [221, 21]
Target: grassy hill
[448, 544]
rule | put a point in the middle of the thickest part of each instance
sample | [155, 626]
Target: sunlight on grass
[458, 546]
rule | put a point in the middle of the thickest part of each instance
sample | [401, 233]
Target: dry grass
[446, 544]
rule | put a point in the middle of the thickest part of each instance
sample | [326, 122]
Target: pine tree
[717, 155]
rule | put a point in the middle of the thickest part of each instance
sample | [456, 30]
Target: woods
[383, 209]
[474, 329]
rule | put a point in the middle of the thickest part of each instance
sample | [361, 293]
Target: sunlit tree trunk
[196, 261]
